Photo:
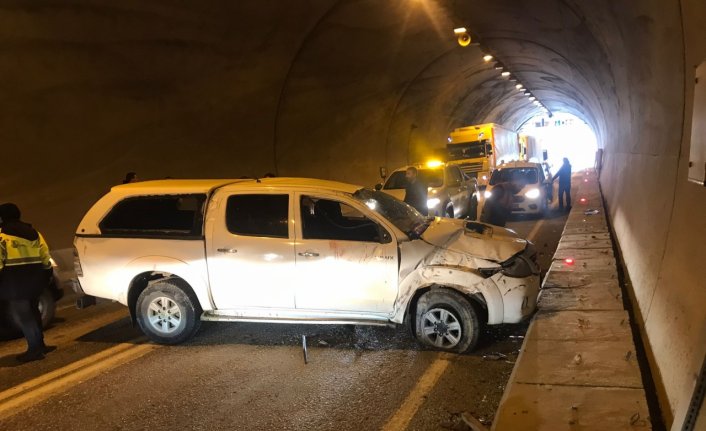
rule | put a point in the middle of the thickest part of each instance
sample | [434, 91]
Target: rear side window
[162, 215]
[258, 215]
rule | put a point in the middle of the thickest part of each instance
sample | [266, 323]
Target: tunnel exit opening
[563, 135]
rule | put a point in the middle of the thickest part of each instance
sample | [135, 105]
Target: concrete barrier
[577, 368]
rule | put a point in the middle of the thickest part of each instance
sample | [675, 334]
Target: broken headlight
[522, 264]
[489, 272]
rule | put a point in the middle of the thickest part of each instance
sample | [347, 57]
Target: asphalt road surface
[248, 376]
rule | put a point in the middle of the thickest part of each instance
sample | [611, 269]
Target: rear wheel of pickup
[446, 320]
[166, 313]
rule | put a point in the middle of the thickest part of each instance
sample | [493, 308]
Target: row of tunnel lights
[461, 32]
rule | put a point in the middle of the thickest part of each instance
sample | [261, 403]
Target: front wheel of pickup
[166, 313]
[446, 320]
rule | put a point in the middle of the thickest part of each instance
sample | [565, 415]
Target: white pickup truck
[291, 250]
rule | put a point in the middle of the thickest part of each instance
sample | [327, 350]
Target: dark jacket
[498, 206]
[22, 281]
[416, 196]
[564, 175]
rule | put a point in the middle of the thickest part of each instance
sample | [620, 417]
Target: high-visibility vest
[15, 251]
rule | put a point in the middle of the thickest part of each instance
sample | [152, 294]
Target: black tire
[473, 209]
[449, 212]
[47, 307]
[436, 302]
[167, 305]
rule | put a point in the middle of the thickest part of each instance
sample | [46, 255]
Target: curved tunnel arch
[224, 89]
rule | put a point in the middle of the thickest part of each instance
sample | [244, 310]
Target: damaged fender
[462, 279]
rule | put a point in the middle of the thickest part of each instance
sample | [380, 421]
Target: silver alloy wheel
[164, 315]
[441, 328]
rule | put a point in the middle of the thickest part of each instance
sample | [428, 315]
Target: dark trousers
[564, 188]
[24, 314]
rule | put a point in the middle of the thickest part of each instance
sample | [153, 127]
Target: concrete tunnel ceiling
[425, 84]
[335, 89]
[248, 87]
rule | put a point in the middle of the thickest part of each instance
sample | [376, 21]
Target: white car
[451, 193]
[529, 181]
[289, 250]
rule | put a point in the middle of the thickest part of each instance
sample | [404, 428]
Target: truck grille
[471, 167]
[518, 199]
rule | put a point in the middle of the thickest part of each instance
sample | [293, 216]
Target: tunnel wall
[657, 213]
[335, 89]
[668, 275]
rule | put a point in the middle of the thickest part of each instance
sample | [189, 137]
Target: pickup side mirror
[383, 172]
[385, 237]
[378, 186]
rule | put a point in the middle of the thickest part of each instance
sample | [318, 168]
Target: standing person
[564, 174]
[24, 266]
[498, 206]
[130, 177]
[416, 191]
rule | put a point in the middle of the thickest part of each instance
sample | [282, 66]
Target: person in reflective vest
[25, 270]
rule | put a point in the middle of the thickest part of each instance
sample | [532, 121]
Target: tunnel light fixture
[460, 30]
[498, 65]
[505, 74]
[519, 86]
[532, 98]
[487, 57]
[527, 93]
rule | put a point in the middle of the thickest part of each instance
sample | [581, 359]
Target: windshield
[514, 175]
[403, 216]
[430, 177]
[469, 150]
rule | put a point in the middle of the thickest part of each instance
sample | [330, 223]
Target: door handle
[309, 254]
[227, 250]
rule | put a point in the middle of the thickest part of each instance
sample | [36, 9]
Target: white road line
[65, 307]
[403, 416]
[32, 392]
[535, 230]
[63, 334]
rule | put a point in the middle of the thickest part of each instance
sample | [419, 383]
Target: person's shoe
[48, 349]
[30, 356]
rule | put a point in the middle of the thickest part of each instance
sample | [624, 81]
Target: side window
[454, 175]
[160, 215]
[258, 215]
[333, 220]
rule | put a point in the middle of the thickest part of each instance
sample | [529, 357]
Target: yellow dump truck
[478, 149]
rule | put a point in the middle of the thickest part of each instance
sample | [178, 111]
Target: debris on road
[323, 343]
[591, 212]
[494, 356]
[472, 422]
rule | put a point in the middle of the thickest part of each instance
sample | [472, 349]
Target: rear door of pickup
[250, 249]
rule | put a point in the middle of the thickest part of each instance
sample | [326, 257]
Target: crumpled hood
[474, 238]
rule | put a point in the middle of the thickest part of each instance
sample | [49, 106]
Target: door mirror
[385, 237]
[378, 186]
[383, 172]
